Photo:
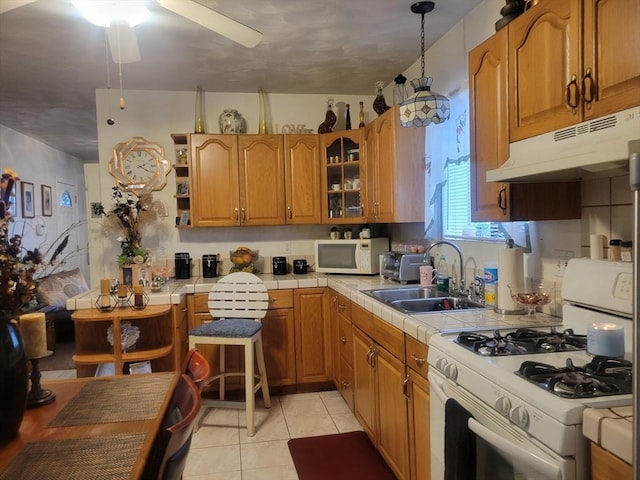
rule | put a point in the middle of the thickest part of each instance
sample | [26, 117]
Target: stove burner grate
[522, 341]
[602, 376]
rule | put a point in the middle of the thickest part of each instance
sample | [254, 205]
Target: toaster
[403, 267]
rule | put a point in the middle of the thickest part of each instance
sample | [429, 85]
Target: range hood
[599, 147]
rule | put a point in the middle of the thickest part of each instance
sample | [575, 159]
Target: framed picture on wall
[47, 206]
[28, 208]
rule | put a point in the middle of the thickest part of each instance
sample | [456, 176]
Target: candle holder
[38, 397]
[122, 295]
[139, 299]
[106, 302]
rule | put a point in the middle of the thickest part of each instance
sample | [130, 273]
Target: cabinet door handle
[289, 212]
[590, 90]
[419, 361]
[343, 340]
[405, 388]
[243, 216]
[572, 87]
[502, 200]
[237, 215]
[341, 306]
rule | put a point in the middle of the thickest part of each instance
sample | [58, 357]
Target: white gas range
[530, 428]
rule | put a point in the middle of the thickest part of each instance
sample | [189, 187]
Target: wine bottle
[361, 115]
[347, 124]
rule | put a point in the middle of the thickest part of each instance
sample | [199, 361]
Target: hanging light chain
[422, 43]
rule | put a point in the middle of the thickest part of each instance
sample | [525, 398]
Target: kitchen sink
[421, 299]
[406, 293]
[436, 304]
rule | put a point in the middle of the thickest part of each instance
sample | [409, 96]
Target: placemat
[116, 399]
[96, 458]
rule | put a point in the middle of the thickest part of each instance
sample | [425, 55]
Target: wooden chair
[170, 450]
[237, 302]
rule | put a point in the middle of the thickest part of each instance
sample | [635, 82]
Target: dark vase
[14, 379]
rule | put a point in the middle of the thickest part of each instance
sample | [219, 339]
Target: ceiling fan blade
[214, 21]
[123, 43]
[7, 5]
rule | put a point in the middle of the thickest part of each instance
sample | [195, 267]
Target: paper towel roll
[596, 244]
[510, 272]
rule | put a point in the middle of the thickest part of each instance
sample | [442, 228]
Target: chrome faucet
[427, 257]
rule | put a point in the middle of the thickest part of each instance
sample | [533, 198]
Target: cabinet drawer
[280, 299]
[345, 337]
[200, 303]
[343, 305]
[416, 355]
[363, 319]
[389, 337]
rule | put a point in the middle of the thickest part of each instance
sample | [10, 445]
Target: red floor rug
[343, 456]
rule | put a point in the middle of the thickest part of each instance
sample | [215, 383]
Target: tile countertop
[419, 326]
[612, 429]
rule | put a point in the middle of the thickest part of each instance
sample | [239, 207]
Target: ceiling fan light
[105, 12]
[424, 106]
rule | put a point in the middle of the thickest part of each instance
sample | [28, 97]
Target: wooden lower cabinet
[418, 394]
[295, 335]
[342, 346]
[379, 394]
[180, 335]
[311, 317]
[606, 466]
[277, 337]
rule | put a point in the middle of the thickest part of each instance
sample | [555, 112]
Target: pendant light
[424, 106]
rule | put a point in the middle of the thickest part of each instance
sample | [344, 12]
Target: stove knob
[441, 364]
[451, 371]
[519, 416]
[503, 405]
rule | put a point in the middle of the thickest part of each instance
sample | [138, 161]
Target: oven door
[501, 451]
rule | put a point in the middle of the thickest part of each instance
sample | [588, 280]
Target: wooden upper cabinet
[214, 180]
[488, 76]
[611, 57]
[394, 170]
[544, 57]
[302, 179]
[261, 166]
[561, 75]
[503, 202]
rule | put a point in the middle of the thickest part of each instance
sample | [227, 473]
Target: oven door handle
[542, 465]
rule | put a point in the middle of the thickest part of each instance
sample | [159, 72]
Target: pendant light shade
[424, 106]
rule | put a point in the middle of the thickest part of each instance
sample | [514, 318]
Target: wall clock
[139, 166]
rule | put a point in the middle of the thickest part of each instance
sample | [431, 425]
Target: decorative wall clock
[139, 166]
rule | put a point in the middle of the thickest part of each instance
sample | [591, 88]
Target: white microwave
[360, 256]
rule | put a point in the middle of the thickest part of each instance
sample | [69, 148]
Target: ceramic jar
[231, 121]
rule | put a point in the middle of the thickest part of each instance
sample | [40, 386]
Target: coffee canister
[279, 265]
[210, 266]
[182, 265]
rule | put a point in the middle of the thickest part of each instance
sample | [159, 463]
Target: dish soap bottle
[442, 276]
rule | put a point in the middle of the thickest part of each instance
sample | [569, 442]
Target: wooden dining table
[97, 428]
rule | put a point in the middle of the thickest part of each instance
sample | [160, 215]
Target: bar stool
[237, 302]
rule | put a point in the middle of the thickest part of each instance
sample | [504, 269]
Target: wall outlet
[287, 247]
[562, 258]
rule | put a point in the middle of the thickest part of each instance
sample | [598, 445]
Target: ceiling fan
[122, 37]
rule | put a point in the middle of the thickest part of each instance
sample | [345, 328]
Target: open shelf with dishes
[183, 180]
[342, 177]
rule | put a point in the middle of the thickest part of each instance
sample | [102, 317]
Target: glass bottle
[329, 119]
[347, 124]
[262, 118]
[361, 124]
[379, 103]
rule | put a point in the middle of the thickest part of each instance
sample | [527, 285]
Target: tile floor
[221, 450]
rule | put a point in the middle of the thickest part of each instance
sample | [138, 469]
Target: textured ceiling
[52, 60]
